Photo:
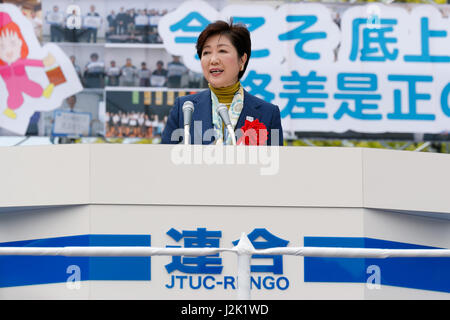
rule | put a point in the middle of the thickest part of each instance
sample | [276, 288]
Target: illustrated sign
[375, 68]
[32, 77]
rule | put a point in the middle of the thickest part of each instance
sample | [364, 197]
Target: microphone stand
[187, 135]
[231, 133]
[222, 110]
[188, 109]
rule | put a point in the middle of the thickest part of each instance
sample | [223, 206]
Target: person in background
[142, 22]
[144, 75]
[124, 121]
[153, 19]
[77, 68]
[112, 23]
[92, 31]
[160, 125]
[116, 132]
[72, 30]
[94, 72]
[129, 73]
[141, 125]
[131, 16]
[56, 20]
[155, 120]
[151, 36]
[175, 71]
[147, 127]
[224, 50]
[159, 75]
[113, 73]
[121, 22]
[132, 124]
[70, 106]
[70, 103]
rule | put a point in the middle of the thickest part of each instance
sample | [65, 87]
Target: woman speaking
[224, 50]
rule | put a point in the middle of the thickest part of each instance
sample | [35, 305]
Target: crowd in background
[73, 26]
[98, 75]
[126, 25]
[133, 125]
[134, 25]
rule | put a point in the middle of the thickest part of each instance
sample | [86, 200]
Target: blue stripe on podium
[415, 273]
[30, 270]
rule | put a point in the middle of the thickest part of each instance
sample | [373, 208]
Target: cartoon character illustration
[13, 60]
[33, 77]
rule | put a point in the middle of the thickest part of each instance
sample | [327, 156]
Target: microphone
[223, 113]
[188, 109]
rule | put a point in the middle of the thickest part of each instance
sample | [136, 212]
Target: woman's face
[220, 61]
[10, 47]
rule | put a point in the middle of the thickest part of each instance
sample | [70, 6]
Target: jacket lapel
[250, 109]
[202, 113]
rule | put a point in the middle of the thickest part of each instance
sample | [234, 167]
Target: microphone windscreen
[188, 109]
[222, 110]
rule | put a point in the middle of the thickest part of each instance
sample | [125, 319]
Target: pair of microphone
[188, 110]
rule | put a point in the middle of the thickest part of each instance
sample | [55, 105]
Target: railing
[244, 250]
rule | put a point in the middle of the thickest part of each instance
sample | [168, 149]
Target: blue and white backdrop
[370, 68]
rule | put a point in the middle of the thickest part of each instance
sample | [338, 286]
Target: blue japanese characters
[208, 271]
[371, 68]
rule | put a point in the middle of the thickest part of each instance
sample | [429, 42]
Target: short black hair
[237, 33]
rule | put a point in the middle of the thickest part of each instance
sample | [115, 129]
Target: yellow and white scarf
[234, 111]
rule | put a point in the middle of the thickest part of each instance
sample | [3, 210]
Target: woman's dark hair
[237, 33]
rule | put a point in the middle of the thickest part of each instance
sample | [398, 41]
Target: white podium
[163, 196]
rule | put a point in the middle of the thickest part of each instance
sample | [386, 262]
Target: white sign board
[68, 123]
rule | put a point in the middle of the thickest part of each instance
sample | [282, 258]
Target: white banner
[92, 22]
[373, 68]
[71, 123]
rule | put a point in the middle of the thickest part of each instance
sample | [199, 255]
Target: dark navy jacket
[254, 107]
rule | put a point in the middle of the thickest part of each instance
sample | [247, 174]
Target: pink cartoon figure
[13, 60]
